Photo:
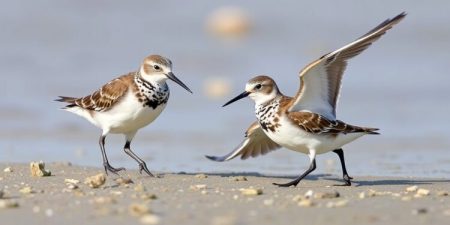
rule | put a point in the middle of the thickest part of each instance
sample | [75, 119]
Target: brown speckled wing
[104, 98]
[317, 124]
[256, 143]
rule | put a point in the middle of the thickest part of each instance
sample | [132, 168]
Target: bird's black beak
[242, 95]
[172, 76]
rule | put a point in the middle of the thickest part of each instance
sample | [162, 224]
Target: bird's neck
[147, 86]
[266, 114]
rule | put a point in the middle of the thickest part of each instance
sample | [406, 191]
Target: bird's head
[260, 89]
[156, 68]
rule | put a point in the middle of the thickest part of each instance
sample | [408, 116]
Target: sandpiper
[307, 122]
[127, 103]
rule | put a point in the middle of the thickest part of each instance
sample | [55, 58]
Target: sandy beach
[208, 198]
[400, 85]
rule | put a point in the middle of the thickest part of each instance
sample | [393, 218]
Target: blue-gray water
[401, 84]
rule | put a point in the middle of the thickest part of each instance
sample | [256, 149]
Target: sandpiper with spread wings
[127, 103]
[307, 122]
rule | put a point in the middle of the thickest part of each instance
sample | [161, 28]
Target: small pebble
[371, 193]
[26, 190]
[148, 196]
[198, 187]
[123, 181]
[37, 169]
[406, 198]
[95, 181]
[140, 188]
[306, 203]
[72, 186]
[423, 192]
[138, 209]
[298, 198]
[251, 191]
[79, 193]
[116, 193]
[150, 219]
[8, 170]
[442, 193]
[323, 195]
[71, 181]
[309, 194]
[235, 197]
[362, 195]
[201, 175]
[239, 178]
[337, 204]
[420, 211]
[8, 203]
[412, 188]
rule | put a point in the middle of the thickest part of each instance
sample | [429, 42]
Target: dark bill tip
[241, 96]
[172, 77]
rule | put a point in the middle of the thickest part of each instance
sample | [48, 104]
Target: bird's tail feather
[70, 100]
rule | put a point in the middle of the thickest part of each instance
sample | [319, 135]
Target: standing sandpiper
[126, 104]
[306, 123]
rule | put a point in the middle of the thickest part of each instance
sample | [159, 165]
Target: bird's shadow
[357, 181]
[376, 181]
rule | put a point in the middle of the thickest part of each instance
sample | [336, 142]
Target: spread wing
[102, 99]
[256, 143]
[320, 81]
[317, 124]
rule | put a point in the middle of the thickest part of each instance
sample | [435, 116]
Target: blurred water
[401, 84]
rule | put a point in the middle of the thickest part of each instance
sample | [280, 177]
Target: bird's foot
[112, 169]
[346, 180]
[292, 183]
[143, 167]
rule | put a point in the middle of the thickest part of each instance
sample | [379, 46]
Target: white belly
[294, 138]
[126, 117]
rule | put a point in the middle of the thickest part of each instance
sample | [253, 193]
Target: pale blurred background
[401, 84]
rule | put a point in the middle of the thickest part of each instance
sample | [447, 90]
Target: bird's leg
[106, 164]
[312, 167]
[345, 175]
[142, 165]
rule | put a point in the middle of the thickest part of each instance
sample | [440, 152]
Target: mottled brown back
[104, 98]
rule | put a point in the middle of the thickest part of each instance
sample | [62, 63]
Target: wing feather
[317, 124]
[105, 97]
[255, 143]
[321, 80]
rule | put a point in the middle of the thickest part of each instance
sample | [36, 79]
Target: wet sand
[216, 199]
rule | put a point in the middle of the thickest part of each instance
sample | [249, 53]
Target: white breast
[127, 116]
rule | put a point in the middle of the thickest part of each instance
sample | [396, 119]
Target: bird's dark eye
[156, 67]
[258, 86]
